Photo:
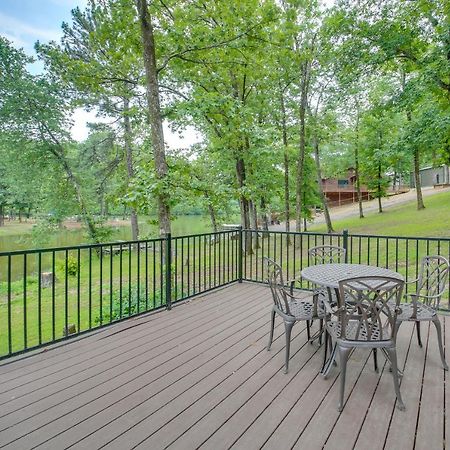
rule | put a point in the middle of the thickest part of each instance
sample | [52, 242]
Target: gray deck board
[199, 377]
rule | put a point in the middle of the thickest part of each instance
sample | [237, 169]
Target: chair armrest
[412, 281]
[292, 282]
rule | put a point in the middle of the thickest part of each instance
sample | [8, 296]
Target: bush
[129, 304]
[72, 266]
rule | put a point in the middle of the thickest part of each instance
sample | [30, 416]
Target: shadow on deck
[200, 376]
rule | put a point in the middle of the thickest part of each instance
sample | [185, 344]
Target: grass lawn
[402, 220]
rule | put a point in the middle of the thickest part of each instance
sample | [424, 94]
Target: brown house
[341, 191]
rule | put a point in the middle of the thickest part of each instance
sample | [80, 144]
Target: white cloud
[19, 31]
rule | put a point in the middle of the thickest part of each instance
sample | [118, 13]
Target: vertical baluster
[90, 287]
[111, 284]
[129, 279]
[407, 263]
[78, 290]
[359, 250]
[100, 248]
[66, 294]
[138, 275]
[25, 340]
[161, 273]
[53, 297]
[209, 260]
[146, 275]
[154, 276]
[121, 281]
[39, 298]
[176, 268]
[10, 346]
[396, 254]
[188, 266]
[378, 250]
[387, 253]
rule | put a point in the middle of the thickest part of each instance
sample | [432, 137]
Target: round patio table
[329, 276]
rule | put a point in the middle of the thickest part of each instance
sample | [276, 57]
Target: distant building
[340, 191]
[432, 176]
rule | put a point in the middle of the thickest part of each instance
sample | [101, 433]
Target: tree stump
[47, 279]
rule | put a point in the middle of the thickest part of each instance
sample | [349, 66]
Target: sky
[24, 22]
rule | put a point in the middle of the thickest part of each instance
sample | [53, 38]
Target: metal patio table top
[329, 275]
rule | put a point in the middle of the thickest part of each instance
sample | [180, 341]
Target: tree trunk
[358, 179]
[302, 144]
[265, 218]
[244, 204]
[254, 224]
[326, 211]
[2, 215]
[287, 209]
[130, 167]
[380, 209]
[420, 204]
[154, 109]
[212, 215]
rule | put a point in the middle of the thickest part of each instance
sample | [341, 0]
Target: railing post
[240, 256]
[345, 243]
[168, 268]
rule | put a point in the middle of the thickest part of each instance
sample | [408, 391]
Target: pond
[182, 225]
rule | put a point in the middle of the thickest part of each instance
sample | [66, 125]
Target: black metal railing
[290, 250]
[47, 295]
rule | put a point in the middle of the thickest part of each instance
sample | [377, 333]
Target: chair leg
[392, 352]
[343, 357]
[272, 326]
[325, 351]
[288, 328]
[320, 331]
[375, 360]
[437, 324]
[308, 330]
[419, 340]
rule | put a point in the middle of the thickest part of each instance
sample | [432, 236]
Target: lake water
[180, 226]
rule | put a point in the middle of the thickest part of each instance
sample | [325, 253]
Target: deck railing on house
[47, 295]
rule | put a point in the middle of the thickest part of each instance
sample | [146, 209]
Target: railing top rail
[380, 236]
[81, 246]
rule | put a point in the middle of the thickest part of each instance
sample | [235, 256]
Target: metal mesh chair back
[369, 311]
[432, 280]
[327, 254]
[276, 283]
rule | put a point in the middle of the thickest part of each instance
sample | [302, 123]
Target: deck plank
[354, 416]
[402, 429]
[376, 423]
[430, 427]
[200, 376]
[63, 415]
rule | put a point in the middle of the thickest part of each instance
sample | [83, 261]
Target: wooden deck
[200, 376]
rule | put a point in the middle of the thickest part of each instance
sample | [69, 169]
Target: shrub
[129, 304]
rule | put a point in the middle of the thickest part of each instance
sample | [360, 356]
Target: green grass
[402, 220]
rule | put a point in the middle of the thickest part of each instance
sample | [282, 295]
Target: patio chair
[431, 284]
[290, 308]
[323, 254]
[367, 318]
